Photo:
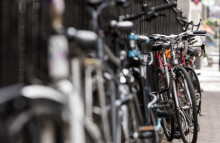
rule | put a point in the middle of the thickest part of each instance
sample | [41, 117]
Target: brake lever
[203, 48]
[193, 42]
[123, 3]
[151, 16]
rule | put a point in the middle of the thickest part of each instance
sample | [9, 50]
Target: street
[210, 119]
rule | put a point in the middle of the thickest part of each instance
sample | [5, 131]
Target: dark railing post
[219, 47]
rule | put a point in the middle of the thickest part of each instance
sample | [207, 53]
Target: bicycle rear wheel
[187, 114]
[168, 125]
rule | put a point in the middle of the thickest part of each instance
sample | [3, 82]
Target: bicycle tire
[168, 125]
[181, 74]
[196, 86]
[29, 125]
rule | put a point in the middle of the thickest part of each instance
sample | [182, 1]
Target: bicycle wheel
[41, 122]
[196, 84]
[168, 125]
[187, 114]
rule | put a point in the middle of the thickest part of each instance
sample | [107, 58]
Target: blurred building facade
[194, 12]
[24, 47]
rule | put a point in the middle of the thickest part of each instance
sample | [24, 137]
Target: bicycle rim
[196, 86]
[187, 114]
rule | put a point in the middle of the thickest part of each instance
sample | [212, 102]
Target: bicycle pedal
[164, 114]
[185, 107]
[146, 128]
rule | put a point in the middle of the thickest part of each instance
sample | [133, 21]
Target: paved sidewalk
[210, 119]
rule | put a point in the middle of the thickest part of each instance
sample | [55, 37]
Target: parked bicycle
[98, 88]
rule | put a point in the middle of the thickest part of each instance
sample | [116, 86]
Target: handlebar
[149, 11]
[199, 32]
[186, 24]
[189, 34]
[143, 38]
[166, 6]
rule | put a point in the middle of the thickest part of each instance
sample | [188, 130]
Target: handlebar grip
[193, 42]
[191, 39]
[199, 32]
[166, 6]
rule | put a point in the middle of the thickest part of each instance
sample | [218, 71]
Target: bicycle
[190, 51]
[182, 88]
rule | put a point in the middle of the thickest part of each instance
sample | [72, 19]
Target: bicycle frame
[170, 75]
[162, 63]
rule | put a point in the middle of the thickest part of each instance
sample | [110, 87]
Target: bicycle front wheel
[196, 85]
[187, 113]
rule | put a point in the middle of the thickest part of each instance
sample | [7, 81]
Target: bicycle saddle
[161, 45]
[123, 26]
[154, 37]
[157, 47]
[166, 44]
[86, 39]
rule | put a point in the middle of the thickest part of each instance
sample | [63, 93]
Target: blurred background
[25, 28]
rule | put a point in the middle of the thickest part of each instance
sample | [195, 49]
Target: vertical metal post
[219, 49]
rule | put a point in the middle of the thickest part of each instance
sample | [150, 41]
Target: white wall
[184, 5]
[196, 12]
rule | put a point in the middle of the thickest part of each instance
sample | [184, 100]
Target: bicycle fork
[95, 65]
